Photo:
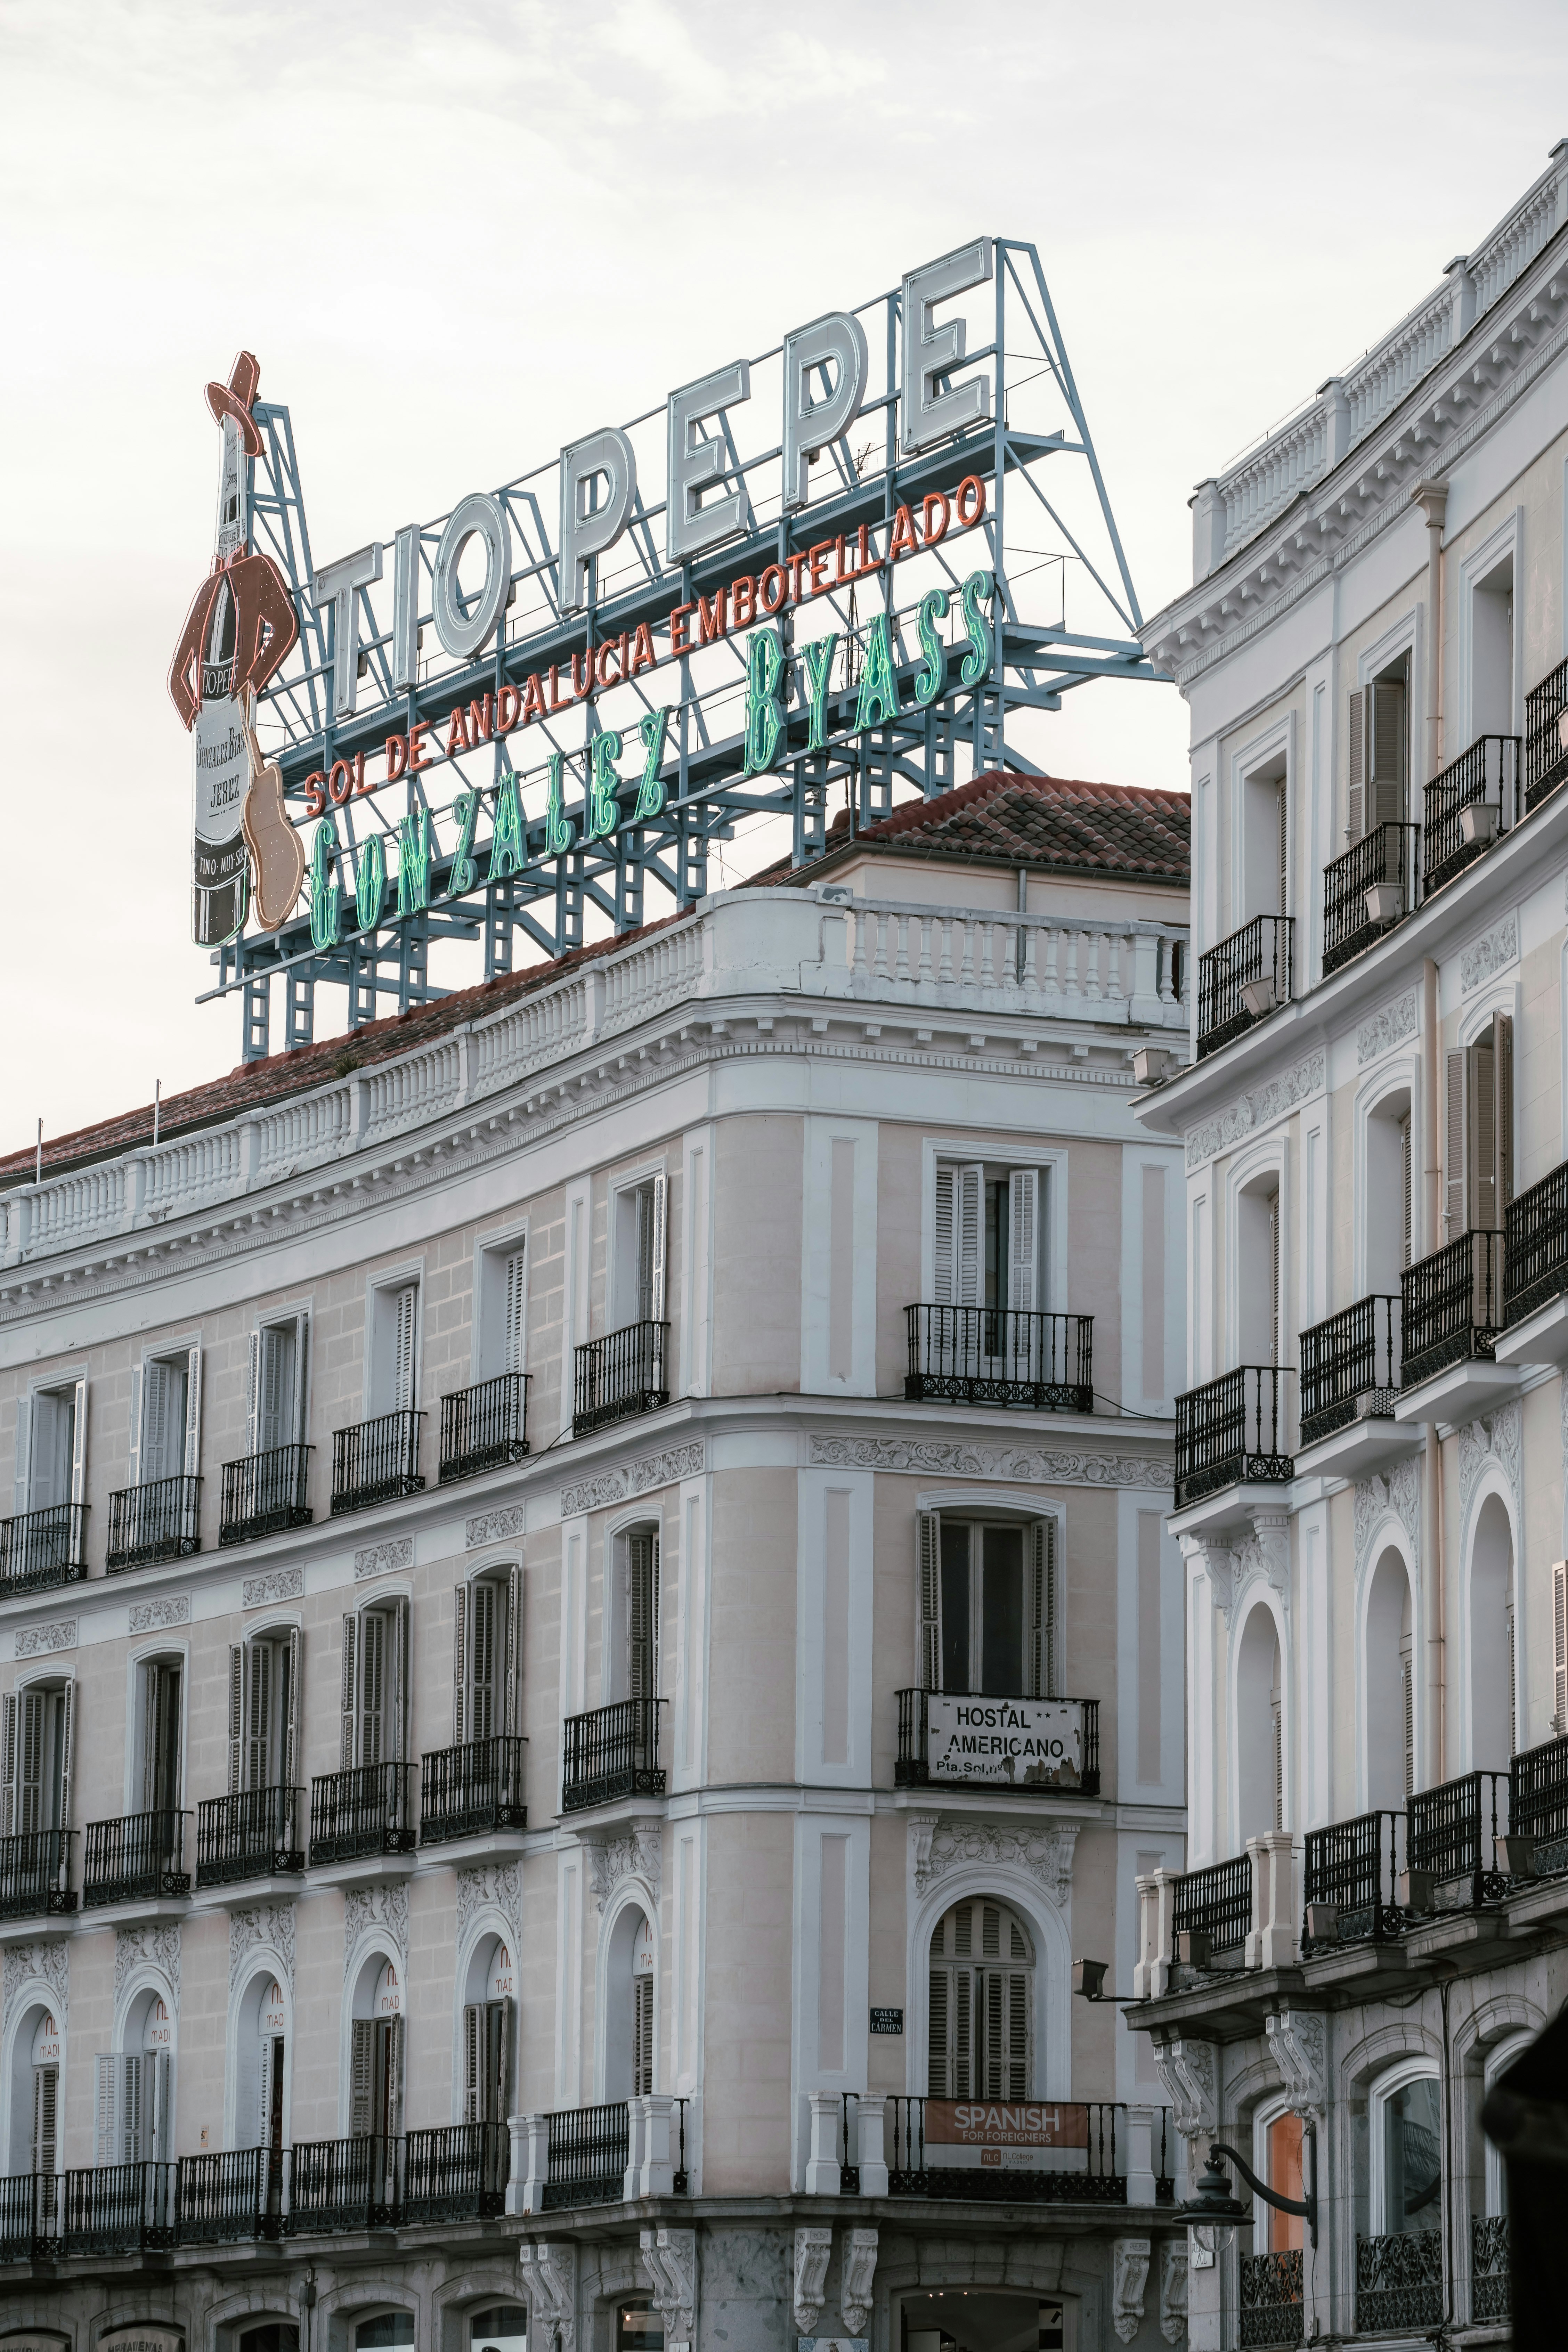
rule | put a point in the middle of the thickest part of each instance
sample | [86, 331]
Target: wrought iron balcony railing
[612, 1751]
[1369, 889]
[1545, 741]
[1399, 2282]
[473, 1791]
[264, 1493]
[376, 1461]
[32, 2217]
[1451, 1835]
[1350, 1368]
[1216, 1902]
[159, 1521]
[484, 1427]
[1091, 2172]
[1538, 1801]
[139, 1859]
[1452, 1306]
[1243, 980]
[622, 1374]
[457, 2174]
[342, 2184]
[38, 1548]
[119, 2208]
[1020, 1743]
[365, 1811]
[35, 1872]
[1467, 807]
[1535, 1251]
[229, 2199]
[588, 2149]
[1492, 2295]
[994, 1355]
[1354, 1866]
[1270, 2298]
[253, 1835]
[1233, 1430]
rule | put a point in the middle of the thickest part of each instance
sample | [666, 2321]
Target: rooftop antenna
[157, 1104]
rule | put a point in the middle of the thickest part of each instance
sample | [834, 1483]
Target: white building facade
[1370, 1493]
[585, 1638]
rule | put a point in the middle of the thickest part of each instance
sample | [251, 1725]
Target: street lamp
[1212, 2204]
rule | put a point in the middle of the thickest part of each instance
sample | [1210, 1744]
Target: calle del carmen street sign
[802, 578]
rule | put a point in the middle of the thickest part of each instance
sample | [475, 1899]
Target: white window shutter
[515, 1310]
[1559, 1648]
[1023, 1239]
[253, 1411]
[134, 1461]
[258, 1760]
[79, 1441]
[67, 1753]
[1481, 1136]
[161, 2122]
[928, 1538]
[361, 2056]
[472, 2043]
[350, 1628]
[8, 1759]
[460, 1664]
[1456, 1190]
[656, 1284]
[403, 1369]
[1385, 746]
[944, 1256]
[235, 1716]
[45, 2119]
[642, 2028]
[938, 2079]
[1502, 1113]
[154, 1418]
[264, 2088]
[106, 2108]
[1355, 798]
[512, 1719]
[24, 1453]
[970, 1236]
[394, 2077]
[1284, 799]
[302, 1397]
[132, 2121]
[294, 1715]
[397, 1695]
[192, 1456]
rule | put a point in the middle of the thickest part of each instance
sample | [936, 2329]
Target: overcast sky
[456, 237]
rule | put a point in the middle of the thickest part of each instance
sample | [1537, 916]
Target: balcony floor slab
[490, 1845]
[1232, 1507]
[146, 1912]
[1540, 1338]
[267, 1886]
[1361, 1446]
[364, 1870]
[1349, 1967]
[1460, 1393]
[41, 1927]
[1535, 1907]
[1462, 1937]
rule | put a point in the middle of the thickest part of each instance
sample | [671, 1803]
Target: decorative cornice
[1043, 1854]
[1496, 1438]
[263, 1927]
[1488, 955]
[278, 1584]
[152, 1616]
[1260, 1109]
[157, 1948]
[955, 1458]
[1299, 2044]
[492, 1526]
[386, 1907]
[664, 1468]
[1400, 1493]
[48, 1964]
[43, 1641]
[380, 1560]
[638, 1852]
[1388, 1026]
[493, 1886]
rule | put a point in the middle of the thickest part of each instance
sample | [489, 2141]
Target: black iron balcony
[1452, 1306]
[38, 1548]
[611, 1752]
[264, 1493]
[588, 2151]
[376, 1461]
[1472, 805]
[34, 1868]
[1214, 1906]
[1088, 2168]
[159, 1521]
[252, 1834]
[622, 1374]
[228, 2199]
[1270, 2298]
[1538, 1802]
[31, 2216]
[1369, 889]
[1352, 1867]
[1545, 741]
[365, 1811]
[994, 1355]
[973, 1739]
[1350, 1368]
[1399, 2282]
[135, 1860]
[1232, 1432]
[1243, 980]
[472, 1791]
[458, 2174]
[1535, 1251]
[485, 1427]
[342, 2184]
[119, 2208]
[1491, 2295]
[1451, 1834]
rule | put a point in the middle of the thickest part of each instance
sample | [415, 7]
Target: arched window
[636, 1673]
[36, 2093]
[1388, 1198]
[638, 2327]
[386, 2331]
[1260, 1728]
[1406, 2171]
[1492, 1685]
[1390, 1688]
[500, 2327]
[486, 1663]
[376, 2052]
[630, 2053]
[1258, 1294]
[275, 2336]
[135, 2119]
[488, 2036]
[982, 2004]
[1278, 2160]
[261, 2065]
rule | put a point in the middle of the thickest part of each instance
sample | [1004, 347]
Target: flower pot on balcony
[1195, 1948]
[1153, 1065]
[1385, 903]
[1259, 997]
[1322, 1922]
[1478, 824]
[1516, 1857]
[1415, 1890]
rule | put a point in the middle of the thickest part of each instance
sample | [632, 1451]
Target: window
[1259, 1763]
[1492, 1662]
[395, 1354]
[1491, 652]
[487, 1666]
[989, 1226]
[389, 2329]
[503, 1311]
[375, 1686]
[158, 1711]
[1406, 2169]
[640, 1573]
[637, 1279]
[45, 2141]
[263, 2066]
[135, 2119]
[278, 2335]
[1388, 1194]
[638, 2327]
[1265, 841]
[982, 1999]
[37, 1755]
[1379, 784]
[988, 1606]
[487, 2040]
[51, 1447]
[376, 2066]
[1479, 1155]
[1259, 1301]
[630, 2019]
[165, 1414]
[264, 1711]
[276, 1383]
[503, 2327]
[1389, 1689]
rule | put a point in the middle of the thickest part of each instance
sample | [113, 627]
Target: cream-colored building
[583, 1639]
[1370, 1450]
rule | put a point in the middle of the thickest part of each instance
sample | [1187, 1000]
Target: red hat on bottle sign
[233, 399]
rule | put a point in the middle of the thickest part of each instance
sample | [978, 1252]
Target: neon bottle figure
[220, 866]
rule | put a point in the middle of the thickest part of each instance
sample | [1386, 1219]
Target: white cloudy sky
[458, 235]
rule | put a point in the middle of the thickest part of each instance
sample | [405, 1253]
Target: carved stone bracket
[857, 2268]
[1129, 2277]
[1217, 1562]
[812, 2248]
[1190, 2072]
[1173, 2289]
[1494, 1440]
[669, 2258]
[1299, 2041]
[636, 1853]
[550, 2273]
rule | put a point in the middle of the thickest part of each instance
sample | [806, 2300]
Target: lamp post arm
[1306, 2207]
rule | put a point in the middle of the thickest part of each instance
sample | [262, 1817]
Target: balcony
[1352, 1882]
[253, 1835]
[1368, 891]
[1450, 1839]
[377, 1462]
[1214, 1913]
[588, 2150]
[484, 1427]
[1472, 805]
[1270, 2297]
[1490, 2293]
[457, 2174]
[1350, 1386]
[611, 1752]
[1538, 1803]
[1536, 1274]
[135, 1860]
[40, 1549]
[960, 1739]
[1451, 1315]
[475, 1790]
[365, 1811]
[1027, 2152]
[265, 1493]
[159, 1521]
[30, 2217]
[993, 1354]
[622, 1374]
[228, 2199]
[118, 2208]
[1243, 981]
[1545, 740]
[33, 1870]
[1399, 2282]
[1232, 1433]
[340, 2184]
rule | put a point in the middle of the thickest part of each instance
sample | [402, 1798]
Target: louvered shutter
[394, 2078]
[482, 1662]
[927, 1569]
[1502, 1114]
[969, 1236]
[473, 2036]
[264, 2088]
[79, 1442]
[397, 1684]
[642, 1614]
[1512, 1687]
[159, 2067]
[30, 1813]
[963, 2085]
[658, 1190]
[1284, 800]
[293, 1710]
[403, 1366]
[253, 1394]
[944, 1266]
[346, 1742]
[937, 2084]
[1355, 799]
[1407, 1695]
[273, 1417]
[106, 2106]
[1386, 739]
[362, 2060]
[1558, 1647]
[460, 1666]
[516, 1308]
[375, 1709]
[1407, 1203]
[1456, 1188]
[642, 2053]
[1040, 1657]
[45, 2118]
[299, 1398]
[512, 1708]
[497, 2060]
[9, 1794]
[259, 1725]
[132, 2119]
[1273, 1293]
[66, 1769]
[1023, 1242]
[24, 1453]
[235, 1716]
[154, 1419]
[193, 1452]
[133, 1457]
[1480, 1170]
[1278, 1712]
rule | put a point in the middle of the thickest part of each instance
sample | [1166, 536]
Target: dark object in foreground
[1526, 2117]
